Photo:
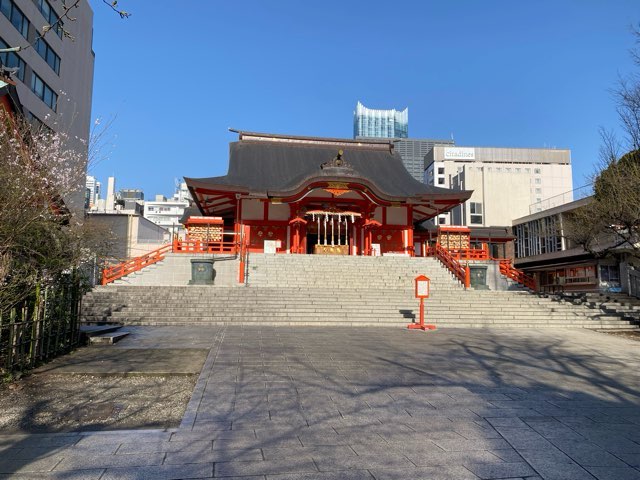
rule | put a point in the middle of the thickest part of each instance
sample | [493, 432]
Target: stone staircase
[175, 270]
[329, 290]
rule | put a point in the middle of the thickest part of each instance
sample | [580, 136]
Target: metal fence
[41, 327]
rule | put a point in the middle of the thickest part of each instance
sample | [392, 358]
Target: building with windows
[369, 122]
[413, 152]
[506, 182]
[92, 192]
[167, 212]
[54, 77]
[543, 250]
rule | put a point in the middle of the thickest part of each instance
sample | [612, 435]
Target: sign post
[422, 288]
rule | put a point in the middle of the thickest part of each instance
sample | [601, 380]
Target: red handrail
[469, 254]
[462, 273]
[198, 246]
[509, 271]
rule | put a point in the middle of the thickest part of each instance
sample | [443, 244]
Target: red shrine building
[307, 195]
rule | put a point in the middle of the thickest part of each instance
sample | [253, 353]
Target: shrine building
[306, 195]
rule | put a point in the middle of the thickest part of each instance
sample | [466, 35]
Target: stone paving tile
[40, 452]
[560, 471]
[92, 474]
[308, 452]
[159, 447]
[392, 459]
[460, 445]
[500, 470]
[109, 461]
[186, 457]
[342, 475]
[424, 473]
[225, 443]
[434, 458]
[614, 473]
[162, 472]
[265, 467]
[22, 465]
[205, 435]
[117, 437]
[632, 459]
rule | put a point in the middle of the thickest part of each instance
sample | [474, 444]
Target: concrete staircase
[175, 270]
[328, 290]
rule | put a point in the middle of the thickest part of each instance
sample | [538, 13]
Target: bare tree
[611, 221]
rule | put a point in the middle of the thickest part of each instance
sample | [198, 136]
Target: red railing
[115, 272]
[470, 254]
[462, 273]
[508, 270]
[198, 246]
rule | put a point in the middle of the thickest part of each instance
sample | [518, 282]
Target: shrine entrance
[330, 232]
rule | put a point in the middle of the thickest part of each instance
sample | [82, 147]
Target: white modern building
[506, 182]
[167, 212]
[93, 192]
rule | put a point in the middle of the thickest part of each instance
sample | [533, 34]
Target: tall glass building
[368, 122]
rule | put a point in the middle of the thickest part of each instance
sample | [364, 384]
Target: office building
[93, 192]
[368, 122]
[506, 182]
[167, 212]
[413, 152]
[131, 194]
[54, 77]
[544, 250]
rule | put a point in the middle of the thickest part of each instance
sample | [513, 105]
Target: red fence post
[467, 277]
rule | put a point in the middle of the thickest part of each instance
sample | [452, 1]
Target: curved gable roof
[277, 168]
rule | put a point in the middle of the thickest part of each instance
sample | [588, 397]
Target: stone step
[107, 338]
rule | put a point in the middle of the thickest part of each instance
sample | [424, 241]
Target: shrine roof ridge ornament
[376, 144]
[337, 166]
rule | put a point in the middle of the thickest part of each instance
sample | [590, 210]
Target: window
[527, 170]
[538, 190]
[536, 171]
[508, 170]
[538, 181]
[475, 208]
[15, 16]
[498, 169]
[44, 92]
[50, 16]
[47, 53]
[440, 170]
[518, 170]
[442, 220]
[609, 274]
[12, 60]
[441, 181]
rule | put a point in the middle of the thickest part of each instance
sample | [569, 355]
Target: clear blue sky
[177, 74]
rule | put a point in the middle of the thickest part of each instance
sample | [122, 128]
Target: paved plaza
[376, 403]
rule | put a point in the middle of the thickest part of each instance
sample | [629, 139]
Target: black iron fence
[41, 327]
